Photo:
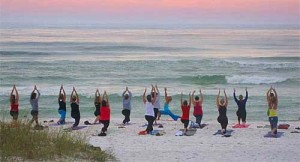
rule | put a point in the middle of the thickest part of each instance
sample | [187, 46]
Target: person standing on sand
[166, 110]
[75, 113]
[34, 98]
[149, 107]
[222, 108]
[185, 107]
[14, 104]
[272, 99]
[126, 105]
[62, 110]
[241, 103]
[105, 114]
[157, 102]
[198, 112]
[97, 103]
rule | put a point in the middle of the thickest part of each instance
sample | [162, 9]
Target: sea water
[182, 60]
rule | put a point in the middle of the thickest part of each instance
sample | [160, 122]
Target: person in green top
[272, 100]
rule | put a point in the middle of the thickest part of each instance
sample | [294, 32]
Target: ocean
[182, 60]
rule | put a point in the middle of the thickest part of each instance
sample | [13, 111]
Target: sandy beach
[245, 144]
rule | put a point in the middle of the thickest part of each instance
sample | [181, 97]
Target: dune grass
[18, 142]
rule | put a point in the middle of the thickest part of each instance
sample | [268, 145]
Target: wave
[247, 79]
[205, 79]
[235, 79]
[12, 53]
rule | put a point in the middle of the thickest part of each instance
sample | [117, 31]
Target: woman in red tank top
[14, 103]
[185, 107]
[105, 114]
[198, 112]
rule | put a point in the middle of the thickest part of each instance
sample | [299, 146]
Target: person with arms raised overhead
[222, 108]
[126, 105]
[272, 99]
[241, 112]
[149, 108]
[157, 101]
[198, 112]
[97, 103]
[166, 110]
[185, 107]
[62, 106]
[34, 98]
[105, 114]
[75, 112]
[14, 104]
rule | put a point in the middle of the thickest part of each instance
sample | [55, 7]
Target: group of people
[152, 108]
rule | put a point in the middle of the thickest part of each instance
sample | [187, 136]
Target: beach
[183, 60]
[245, 144]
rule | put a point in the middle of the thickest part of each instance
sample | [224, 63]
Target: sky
[151, 11]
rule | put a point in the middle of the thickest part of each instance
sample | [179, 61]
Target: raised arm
[276, 97]
[202, 97]
[144, 96]
[268, 95]
[226, 99]
[71, 96]
[181, 99]
[77, 96]
[130, 94]
[59, 93]
[154, 97]
[96, 96]
[12, 91]
[17, 95]
[193, 100]
[190, 99]
[157, 89]
[65, 96]
[153, 89]
[246, 98]
[123, 94]
[166, 95]
[38, 93]
[217, 99]
[106, 97]
[234, 96]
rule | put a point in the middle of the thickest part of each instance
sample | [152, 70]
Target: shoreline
[247, 144]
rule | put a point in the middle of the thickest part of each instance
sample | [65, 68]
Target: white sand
[244, 145]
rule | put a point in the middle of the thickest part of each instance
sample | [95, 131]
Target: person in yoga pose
[126, 105]
[75, 112]
[222, 108]
[97, 103]
[14, 104]
[241, 103]
[272, 99]
[62, 105]
[185, 107]
[34, 98]
[157, 101]
[166, 110]
[105, 114]
[198, 112]
[149, 110]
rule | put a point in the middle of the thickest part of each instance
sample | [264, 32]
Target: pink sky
[196, 11]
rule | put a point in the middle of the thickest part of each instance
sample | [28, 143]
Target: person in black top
[97, 103]
[241, 112]
[75, 113]
[62, 105]
[222, 108]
